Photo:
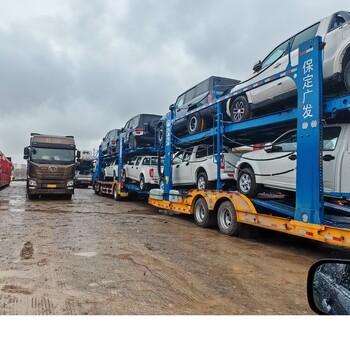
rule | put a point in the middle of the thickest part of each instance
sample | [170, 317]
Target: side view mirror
[328, 287]
[257, 66]
[268, 147]
[26, 153]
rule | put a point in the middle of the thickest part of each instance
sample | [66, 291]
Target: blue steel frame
[308, 114]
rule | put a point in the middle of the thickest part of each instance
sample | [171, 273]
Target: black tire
[32, 196]
[202, 215]
[240, 109]
[116, 195]
[97, 188]
[160, 136]
[346, 76]
[246, 183]
[143, 186]
[161, 184]
[227, 219]
[202, 181]
[195, 123]
[114, 176]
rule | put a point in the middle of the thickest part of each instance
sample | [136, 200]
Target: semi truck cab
[50, 165]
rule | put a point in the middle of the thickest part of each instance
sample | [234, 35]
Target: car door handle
[293, 157]
[277, 65]
[328, 157]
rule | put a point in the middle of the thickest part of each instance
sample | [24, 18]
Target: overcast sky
[84, 67]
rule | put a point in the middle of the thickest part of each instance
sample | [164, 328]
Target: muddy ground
[95, 256]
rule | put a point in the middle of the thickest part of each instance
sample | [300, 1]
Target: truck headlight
[70, 183]
[32, 183]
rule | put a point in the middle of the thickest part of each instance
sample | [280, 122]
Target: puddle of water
[86, 254]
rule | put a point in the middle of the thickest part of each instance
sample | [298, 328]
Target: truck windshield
[52, 155]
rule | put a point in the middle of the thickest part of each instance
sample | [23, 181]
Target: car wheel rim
[141, 184]
[201, 183]
[193, 124]
[200, 213]
[225, 219]
[245, 183]
[238, 111]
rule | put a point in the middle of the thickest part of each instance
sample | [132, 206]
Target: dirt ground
[95, 256]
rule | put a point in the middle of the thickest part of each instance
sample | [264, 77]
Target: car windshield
[52, 155]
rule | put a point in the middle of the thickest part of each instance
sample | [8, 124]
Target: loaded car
[111, 170]
[197, 96]
[109, 142]
[143, 170]
[281, 93]
[197, 166]
[140, 131]
[279, 157]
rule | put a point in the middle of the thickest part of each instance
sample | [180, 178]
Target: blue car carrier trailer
[233, 212]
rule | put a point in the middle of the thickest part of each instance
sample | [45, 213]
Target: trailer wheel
[116, 195]
[227, 219]
[246, 183]
[195, 123]
[202, 215]
[97, 188]
[240, 109]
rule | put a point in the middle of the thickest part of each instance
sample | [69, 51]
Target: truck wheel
[227, 219]
[202, 181]
[240, 109]
[202, 215]
[32, 196]
[116, 195]
[97, 189]
[143, 185]
[114, 176]
[246, 183]
[195, 123]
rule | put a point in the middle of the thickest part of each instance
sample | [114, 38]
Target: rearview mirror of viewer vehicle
[328, 287]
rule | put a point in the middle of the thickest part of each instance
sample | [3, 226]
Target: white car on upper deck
[281, 93]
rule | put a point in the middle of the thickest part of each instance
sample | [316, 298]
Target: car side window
[187, 155]
[202, 88]
[138, 161]
[178, 158]
[305, 35]
[132, 161]
[146, 161]
[189, 95]
[201, 152]
[330, 138]
[180, 101]
[337, 21]
[277, 53]
[287, 143]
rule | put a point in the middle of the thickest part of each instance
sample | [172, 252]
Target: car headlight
[70, 183]
[32, 183]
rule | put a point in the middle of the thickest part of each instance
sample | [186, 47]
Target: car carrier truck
[308, 214]
[50, 165]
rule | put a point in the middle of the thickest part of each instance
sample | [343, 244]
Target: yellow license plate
[51, 186]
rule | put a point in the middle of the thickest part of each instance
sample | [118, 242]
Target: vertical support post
[168, 179]
[98, 169]
[218, 142]
[309, 182]
[120, 159]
